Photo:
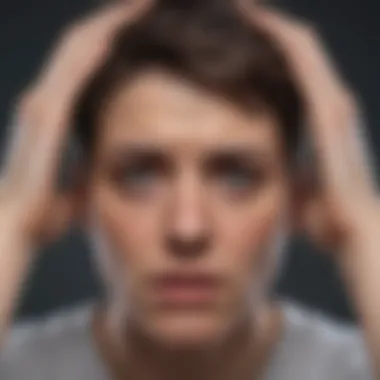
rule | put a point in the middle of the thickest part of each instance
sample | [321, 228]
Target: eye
[236, 174]
[139, 175]
[237, 177]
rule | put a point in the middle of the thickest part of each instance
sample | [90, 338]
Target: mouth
[187, 290]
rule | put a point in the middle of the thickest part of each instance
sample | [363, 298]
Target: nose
[189, 232]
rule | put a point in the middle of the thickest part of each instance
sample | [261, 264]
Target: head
[189, 133]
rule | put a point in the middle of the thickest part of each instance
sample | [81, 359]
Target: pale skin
[185, 207]
[30, 208]
[345, 217]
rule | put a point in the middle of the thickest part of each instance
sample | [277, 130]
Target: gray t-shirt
[312, 347]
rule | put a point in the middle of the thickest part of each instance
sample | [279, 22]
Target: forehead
[160, 108]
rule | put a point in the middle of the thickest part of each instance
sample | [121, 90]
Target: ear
[309, 213]
[300, 200]
[80, 198]
[68, 208]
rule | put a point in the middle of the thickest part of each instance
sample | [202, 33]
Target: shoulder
[40, 349]
[334, 349]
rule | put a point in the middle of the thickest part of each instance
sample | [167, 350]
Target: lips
[187, 290]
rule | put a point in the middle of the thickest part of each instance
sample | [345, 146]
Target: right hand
[28, 198]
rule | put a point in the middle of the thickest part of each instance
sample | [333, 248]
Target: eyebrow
[129, 151]
[132, 150]
[239, 150]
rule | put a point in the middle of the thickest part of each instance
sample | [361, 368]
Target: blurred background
[64, 275]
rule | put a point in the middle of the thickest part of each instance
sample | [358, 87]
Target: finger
[30, 151]
[331, 113]
[44, 116]
[90, 39]
[358, 149]
[120, 12]
[304, 53]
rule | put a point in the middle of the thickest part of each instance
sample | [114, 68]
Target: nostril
[188, 246]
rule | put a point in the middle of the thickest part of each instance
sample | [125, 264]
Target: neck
[244, 354]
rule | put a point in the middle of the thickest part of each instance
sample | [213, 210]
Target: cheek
[250, 231]
[130, 229]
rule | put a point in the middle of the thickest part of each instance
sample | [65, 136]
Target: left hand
[345, 214]
[347, 202]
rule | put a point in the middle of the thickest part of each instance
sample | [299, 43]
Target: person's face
[188, 199]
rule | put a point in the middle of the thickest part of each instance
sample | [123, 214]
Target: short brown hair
[205, 41]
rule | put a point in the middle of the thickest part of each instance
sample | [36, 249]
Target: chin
[188, 330]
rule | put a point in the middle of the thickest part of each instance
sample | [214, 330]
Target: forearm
[15, 258]
[360, 270]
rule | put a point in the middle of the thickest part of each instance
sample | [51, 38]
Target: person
[190, 119]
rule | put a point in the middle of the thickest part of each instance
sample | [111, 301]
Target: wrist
[14, 225]
[358, 261]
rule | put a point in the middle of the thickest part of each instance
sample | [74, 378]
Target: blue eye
[138, 177]
[238, 179]
[236, 172]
